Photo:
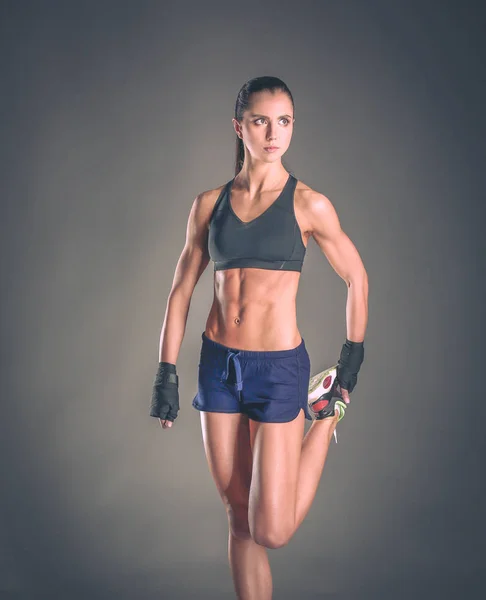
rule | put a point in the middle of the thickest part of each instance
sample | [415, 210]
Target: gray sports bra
[271, 241]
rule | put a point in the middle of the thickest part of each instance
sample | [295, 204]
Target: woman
[254, 368]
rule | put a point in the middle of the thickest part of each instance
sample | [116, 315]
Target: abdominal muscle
[254, 309]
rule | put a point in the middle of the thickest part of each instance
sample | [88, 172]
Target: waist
[216, 347]
[254, 309]
[254, 327]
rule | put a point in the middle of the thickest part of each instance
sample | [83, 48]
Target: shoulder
[312, 207]
[204, 202]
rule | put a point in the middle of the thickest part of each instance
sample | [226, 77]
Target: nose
[271, 133]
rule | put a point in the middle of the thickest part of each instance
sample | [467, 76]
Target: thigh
[276, 449]
[226, 440]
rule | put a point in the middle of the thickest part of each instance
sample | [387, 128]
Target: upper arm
[325, 228]
[194, 257]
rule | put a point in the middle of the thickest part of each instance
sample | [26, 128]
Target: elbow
[181, 293]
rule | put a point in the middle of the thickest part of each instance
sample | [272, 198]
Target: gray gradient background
[115, 115]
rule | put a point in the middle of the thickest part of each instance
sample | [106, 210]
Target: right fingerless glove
[165, 394]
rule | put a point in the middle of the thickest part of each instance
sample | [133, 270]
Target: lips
[271, 148]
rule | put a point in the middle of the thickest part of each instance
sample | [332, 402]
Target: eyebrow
[265, 116]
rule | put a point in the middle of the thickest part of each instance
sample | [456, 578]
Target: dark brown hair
[257, 84]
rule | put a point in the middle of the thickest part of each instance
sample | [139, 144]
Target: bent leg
[227, 445]
[312, 460]
[285, 476]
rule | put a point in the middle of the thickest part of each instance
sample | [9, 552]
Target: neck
[261, 176]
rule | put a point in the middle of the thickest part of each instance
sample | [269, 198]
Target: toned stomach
[254, 309]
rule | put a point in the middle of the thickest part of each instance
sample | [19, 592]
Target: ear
[237, 127]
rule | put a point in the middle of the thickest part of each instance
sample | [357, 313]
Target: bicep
[339, 250]
[194, 257]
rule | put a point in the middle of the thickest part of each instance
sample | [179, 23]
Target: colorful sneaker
[323, 398]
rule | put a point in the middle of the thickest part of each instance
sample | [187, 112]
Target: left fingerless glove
[352, 356]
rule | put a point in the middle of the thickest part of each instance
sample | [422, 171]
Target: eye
[287, 121]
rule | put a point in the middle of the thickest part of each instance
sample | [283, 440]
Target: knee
[271, 538]
[238, 521]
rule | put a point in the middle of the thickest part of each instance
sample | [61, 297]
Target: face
[268, 121]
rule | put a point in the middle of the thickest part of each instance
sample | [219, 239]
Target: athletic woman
[254, 368]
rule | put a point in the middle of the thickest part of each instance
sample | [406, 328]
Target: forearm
[357, 309]
[174, 326]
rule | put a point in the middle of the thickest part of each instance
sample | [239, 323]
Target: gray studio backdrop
[115, 115]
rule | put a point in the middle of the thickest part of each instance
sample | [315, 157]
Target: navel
[237, 320]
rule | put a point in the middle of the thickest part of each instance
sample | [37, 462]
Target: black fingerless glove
[165, 395]
[352, 355]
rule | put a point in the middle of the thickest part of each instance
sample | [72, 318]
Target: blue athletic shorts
[267, 386]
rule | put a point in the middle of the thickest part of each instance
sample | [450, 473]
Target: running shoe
[324, 398]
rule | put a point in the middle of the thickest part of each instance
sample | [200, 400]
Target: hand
[352, 355]
[344, 393]
[165, 395]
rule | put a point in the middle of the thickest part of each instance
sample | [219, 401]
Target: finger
[172, 414]
[345, 395]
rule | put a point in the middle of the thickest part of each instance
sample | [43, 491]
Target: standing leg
[250, 568]
[227, 446]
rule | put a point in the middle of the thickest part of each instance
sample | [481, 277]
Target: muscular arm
[190, 266]
[344, 258]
